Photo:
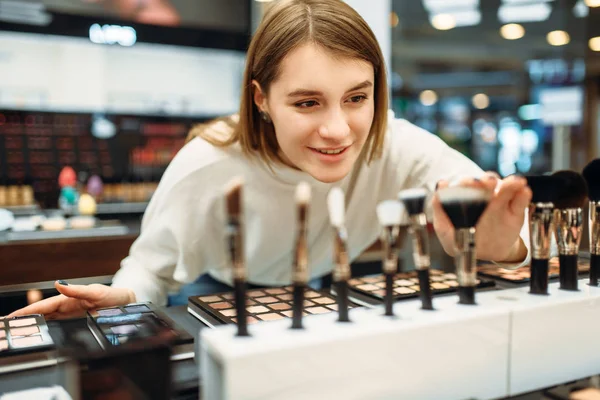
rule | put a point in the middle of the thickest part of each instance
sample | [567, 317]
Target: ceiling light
[512, 31]
[428, 97]
[580, 10]
[394, 20]
[524, 13]
[525, 1]
[594, 43]
[558, 38]
[443, 22]
[480, 101]
[592, 3]
[438, 6]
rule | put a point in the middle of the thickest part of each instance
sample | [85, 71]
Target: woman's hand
[497, 237]
[75, 300]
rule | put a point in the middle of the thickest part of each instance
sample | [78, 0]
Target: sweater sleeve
[432, 160]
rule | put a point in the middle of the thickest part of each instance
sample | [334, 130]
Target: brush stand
[511, 342]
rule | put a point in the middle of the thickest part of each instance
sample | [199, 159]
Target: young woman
[314, 108]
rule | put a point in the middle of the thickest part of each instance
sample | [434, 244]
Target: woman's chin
[329, 175]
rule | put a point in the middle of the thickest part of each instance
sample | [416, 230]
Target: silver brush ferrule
[341, 270]
[466, 257]
[390, 249]
[236, 248]
[568, 225]
[594, 227]
[541, 226]
[418, 228]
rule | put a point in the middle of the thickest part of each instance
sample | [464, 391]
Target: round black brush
[541, 225]
[568, 222]
[414, 202]
[591, 174]
[464, 206]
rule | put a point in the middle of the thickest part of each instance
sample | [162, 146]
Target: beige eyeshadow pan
[266, 300]
[280, 306]
[211, 299]
[25, 330]
[221, 306]
[317, 310]
[275, 291]
[269, 317]
[2, 333]
[229, 313]
[3, 345]
[285, 297]
[21, 322]
[27, 341]
[311, 294]
[324, 300]
[257, 309]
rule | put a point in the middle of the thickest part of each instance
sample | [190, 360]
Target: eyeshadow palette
[24, 334]
[370, 289]
[116, 326]
[268, 304]
[522, 275]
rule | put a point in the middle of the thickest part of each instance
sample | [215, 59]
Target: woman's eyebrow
[312, 92]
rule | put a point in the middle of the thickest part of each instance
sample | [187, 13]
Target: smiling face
[322, 108]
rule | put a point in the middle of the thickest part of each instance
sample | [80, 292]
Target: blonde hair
[287, 24]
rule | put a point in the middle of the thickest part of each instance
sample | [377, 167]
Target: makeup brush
[235, 236]
[591, 174]
[541, 226]
[568, 223]
[390, 213]
[464, 206]
[414, 201]
[300, 267]
[341, 269]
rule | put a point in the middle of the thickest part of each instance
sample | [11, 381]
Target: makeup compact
[116, 326]
[370, 289]
[523, 275]
[268, 304]
[24, 334]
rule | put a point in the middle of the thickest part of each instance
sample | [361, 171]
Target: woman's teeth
[330, 151]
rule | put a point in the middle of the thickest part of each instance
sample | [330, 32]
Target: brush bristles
[233, 196]
[414, 200]
[573, 192]
[591, 174]
[303, 196]
[544, 188]
[336, 207]
[463, 194]
[303, 193]
[389, 213]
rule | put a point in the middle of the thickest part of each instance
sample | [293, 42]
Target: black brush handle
[342, 298]
[425, 288]
[594, 269]
[239, 295]
[389, 294]
[466, 295]
[568, 272]
[297, 306]
[539, 276]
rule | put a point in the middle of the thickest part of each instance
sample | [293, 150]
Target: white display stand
[511, 342]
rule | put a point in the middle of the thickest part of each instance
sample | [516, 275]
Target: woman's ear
[260, 98]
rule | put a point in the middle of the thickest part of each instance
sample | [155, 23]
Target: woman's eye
[306, 104]
[358, 99]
